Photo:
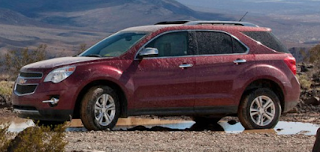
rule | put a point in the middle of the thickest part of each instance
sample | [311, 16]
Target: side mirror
[148, 52]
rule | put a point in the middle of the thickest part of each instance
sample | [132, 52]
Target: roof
[190, 25]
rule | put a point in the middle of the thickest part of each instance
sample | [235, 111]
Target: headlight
[60, 74]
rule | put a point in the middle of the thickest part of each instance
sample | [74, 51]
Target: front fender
[85, 76]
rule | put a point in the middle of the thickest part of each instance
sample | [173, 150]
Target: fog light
[52, 101]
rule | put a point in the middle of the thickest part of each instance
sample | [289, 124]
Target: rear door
[221, 59]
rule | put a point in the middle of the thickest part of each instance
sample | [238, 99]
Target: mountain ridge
[63, 25]
[99, 14]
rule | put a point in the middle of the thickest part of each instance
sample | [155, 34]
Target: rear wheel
[260, 109]
[100, 108]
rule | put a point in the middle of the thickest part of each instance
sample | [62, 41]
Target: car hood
[56, 62]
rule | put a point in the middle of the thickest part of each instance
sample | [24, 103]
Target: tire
[260, 109]
[100, 108]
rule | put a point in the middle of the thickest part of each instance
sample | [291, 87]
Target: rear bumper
[289, 106]
[292, 95]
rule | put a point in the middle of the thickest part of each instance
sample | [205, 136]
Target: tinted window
[214, 43]
[238, 47]
[171, 44]
[267, 39]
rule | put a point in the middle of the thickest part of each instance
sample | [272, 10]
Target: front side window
[210, 42]
[171, 44]
[114, 45]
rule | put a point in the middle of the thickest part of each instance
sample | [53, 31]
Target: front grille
[25, 89]
[31, 75]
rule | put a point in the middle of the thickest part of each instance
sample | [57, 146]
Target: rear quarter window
[267, 39]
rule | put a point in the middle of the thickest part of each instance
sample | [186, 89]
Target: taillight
[291, 63]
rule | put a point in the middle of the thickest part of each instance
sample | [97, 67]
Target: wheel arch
[120, 92]
[265, 83]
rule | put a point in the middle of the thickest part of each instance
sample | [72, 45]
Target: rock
[232, 122]
[3, 102]
[304, 68]
[312, 101]
[294, 110]
[316, 147]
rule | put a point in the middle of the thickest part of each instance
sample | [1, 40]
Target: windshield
[114, 45]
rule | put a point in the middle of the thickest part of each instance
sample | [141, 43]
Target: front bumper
[32, 105]
[52, 115]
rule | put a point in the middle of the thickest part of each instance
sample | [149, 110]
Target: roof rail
[231, 23]
[171, 22]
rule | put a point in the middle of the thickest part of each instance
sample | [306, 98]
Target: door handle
[184, 66]
[239, 61]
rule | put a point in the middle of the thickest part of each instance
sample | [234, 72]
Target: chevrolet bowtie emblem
[21, 81]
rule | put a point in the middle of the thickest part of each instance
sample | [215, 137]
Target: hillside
[64, 25]
[104, 15]
[8, 16]
[120, 15]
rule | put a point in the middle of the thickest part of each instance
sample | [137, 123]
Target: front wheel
[260, 109]
[100, 108]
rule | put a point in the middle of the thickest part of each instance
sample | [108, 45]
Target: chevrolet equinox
[201, 69]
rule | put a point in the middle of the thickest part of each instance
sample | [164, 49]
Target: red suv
[200, 69]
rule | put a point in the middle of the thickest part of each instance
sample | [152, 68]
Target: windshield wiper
[93, 55]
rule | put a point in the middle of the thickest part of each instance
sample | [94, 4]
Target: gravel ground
[186, 141]
[157, 141]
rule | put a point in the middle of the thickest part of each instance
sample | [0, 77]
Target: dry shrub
[311, 77]
[40, 139]
[305, 82]
[4, 141]
[6, 88]
[315, 55]
[14, 60]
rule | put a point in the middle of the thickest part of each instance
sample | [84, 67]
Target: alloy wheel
[262, 110]
[104, 109]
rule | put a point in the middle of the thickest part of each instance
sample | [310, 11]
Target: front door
[165, 84]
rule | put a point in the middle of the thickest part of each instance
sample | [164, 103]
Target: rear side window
[267, 39]
[210, 42]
